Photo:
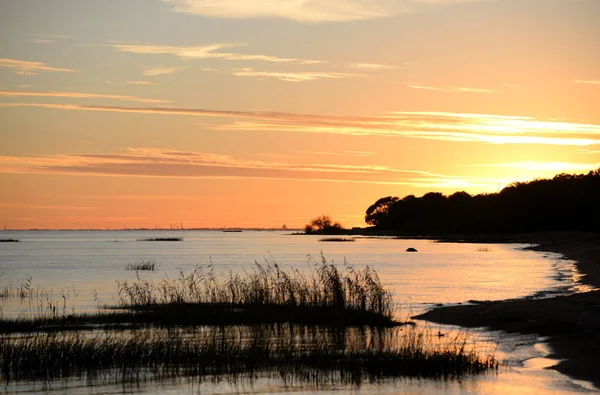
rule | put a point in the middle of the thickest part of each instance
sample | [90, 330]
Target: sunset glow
[234, 113]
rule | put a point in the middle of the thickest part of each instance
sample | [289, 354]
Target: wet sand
[571, 322]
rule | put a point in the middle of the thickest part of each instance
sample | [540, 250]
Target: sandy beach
[572, 323]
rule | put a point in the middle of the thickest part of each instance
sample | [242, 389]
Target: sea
[78, 271]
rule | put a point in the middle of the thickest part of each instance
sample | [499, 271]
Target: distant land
[153, 229]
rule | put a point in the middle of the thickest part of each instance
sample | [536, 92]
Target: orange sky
[245, 113]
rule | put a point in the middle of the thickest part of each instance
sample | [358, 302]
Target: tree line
[565, 202]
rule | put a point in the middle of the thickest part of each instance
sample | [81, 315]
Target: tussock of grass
[162, 239]
[9, 241]
[325, 286]
[141, 265]
[325, 294]
[338, 239]
[293, 353]
[25, 291]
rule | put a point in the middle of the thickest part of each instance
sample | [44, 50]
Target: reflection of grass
[9, 241]
[141, 265]
[162, 239]
[309, 354]
[338, 239]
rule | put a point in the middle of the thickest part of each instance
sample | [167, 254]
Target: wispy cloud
[161, 70]
[139, 83]
[205, 52]
[306, 11]
[361, 153]
[49, 207]
[451, 89]
[589, 152]
[153, 162]
[79, 95]
[48, 38]
[370, 66]
[300, 76]
[543, 166]
[355, 153]
[25, 67]
[446, 126]
[587, 82]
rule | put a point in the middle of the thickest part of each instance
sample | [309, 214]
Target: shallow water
[78, 270]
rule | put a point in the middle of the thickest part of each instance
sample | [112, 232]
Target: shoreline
[571, 323]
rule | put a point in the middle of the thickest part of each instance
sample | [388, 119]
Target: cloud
[473, 90]
[370, 66]
[304, 11]
[355, 153]
[444, 126]
[42, 41]
[156, 71]
[139, 83]
[553, 167]
[307, 10]
[587, 82]
[205, 52]
[48, 38]
[290, 76]
[79, 95]
[451, 89]
[155, 162]
[589, 152]
[361, 153]
[47, 207]
[428, 88]
[25, 67]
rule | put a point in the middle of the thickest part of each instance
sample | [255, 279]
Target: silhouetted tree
[566, 202]
[378, 211]
[324, 225]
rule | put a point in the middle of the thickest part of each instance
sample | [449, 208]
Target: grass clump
[162, 239]
[141, 265]
[338, 239]
[324, 289]
[308, 354]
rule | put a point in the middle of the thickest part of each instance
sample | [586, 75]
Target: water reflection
[290, 356]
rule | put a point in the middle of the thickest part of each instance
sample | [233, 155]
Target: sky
[248, 113]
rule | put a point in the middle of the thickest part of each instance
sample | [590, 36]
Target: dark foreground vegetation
[324, 285]
[332, 324]
[305, 354]
[565, 202]
[325, 294]
[141, 265]
[162, 239]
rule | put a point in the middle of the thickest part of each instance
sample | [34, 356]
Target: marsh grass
[141, 265]
[324, 294]
[305, 354]
[325, 288]
[162, 239]
[338, 239]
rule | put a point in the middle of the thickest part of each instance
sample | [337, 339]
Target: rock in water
[411, 249]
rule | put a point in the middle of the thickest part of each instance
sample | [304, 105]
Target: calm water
[83, 266]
